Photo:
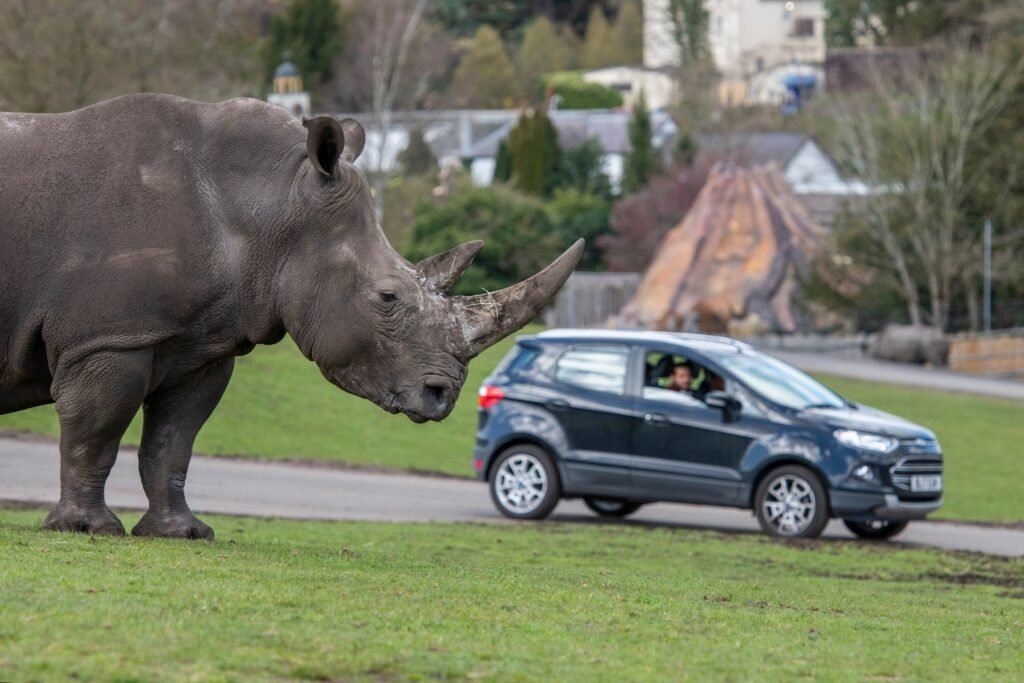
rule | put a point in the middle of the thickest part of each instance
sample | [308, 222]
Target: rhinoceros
[148, 240]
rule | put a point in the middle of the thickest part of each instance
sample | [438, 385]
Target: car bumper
[859, 506]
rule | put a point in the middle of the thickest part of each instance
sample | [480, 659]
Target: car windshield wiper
[816, 406]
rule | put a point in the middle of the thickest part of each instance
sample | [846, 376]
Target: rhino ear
[355, 138]
[324, 143]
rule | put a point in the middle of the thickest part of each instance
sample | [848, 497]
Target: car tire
[610, 507]
[875, 529]
[791, 502]
[524, 483]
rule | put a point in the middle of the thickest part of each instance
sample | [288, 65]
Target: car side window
[598, 368]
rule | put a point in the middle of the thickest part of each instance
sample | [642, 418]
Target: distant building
[658, 86]
[473, 137]
[811, 173]
[768, 51]
[287, 91]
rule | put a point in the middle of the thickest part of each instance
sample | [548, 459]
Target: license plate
[925, 483]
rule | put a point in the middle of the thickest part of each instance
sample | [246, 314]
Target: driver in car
[682, 378]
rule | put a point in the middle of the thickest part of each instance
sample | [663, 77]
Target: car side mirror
[729, 406]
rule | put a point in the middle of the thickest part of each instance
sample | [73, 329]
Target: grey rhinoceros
[148, 240]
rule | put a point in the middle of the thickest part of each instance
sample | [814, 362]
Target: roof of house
[755, 148]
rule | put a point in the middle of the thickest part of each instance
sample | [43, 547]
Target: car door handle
[557, 404]
[655, 419]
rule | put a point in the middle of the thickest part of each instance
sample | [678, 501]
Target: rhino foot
[97, 521]
[180, 525]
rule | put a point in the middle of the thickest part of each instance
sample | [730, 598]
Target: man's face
[681, 377]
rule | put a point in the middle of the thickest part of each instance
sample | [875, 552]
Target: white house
[766, 50]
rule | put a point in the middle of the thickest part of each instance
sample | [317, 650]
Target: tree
[628, 34]
[389, 63]
[599, 49]
[515, 228]
[58, 56]
[580, 168]
[417, 158]
[503, 163]
[310, 32]
[918, 143]
[485, 77]
[689, 20]
[542, 52]
[575, 214]
[640, 221]
[534, 147]
[641, 162]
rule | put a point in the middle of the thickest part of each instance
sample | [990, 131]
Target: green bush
[575, 214]
[578, 94]
[517, 233]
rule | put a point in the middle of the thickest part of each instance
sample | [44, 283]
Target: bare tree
[57, 55]
[389, 62]
[916, 141]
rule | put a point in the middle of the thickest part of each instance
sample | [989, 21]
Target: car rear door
[597, 413]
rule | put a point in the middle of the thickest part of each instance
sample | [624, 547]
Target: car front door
[684, 451]
[597, 413]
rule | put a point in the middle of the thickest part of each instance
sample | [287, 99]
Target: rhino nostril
[434, 390]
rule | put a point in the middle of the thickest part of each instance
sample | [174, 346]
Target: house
[811, 173]
[657, 85]
[473, 137]
[768, 51]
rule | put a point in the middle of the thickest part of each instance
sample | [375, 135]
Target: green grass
[278, 406]
[285, 601]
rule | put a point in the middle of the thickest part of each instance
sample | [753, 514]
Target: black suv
[597, 415]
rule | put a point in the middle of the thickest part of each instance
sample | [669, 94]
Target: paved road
[903, 374]
[29, 472]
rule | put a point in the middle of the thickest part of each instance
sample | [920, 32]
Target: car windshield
[781, 383]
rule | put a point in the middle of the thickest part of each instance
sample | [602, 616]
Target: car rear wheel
[524, 483]
[875, 529]
[609, 507]
[791, 503]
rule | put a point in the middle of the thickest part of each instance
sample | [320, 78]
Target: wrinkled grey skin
[910, 344]
[148, 240]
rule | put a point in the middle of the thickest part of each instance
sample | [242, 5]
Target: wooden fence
[590, 299]
[998, 353]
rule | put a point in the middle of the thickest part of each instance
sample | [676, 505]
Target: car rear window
[599, 368]
[522, 359]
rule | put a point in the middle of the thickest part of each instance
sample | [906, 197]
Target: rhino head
[375, 324]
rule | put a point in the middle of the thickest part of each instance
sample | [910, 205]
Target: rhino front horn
[488, 318]
[443, 270]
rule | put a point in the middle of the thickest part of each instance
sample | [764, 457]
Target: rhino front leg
[173, 418]
[96, 399]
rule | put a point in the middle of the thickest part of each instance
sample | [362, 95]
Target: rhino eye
[388, 297]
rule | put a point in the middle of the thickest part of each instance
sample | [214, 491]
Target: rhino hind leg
[96, 400]
[173, 418]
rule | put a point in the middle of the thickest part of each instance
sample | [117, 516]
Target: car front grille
[901, 472]
[919, 446]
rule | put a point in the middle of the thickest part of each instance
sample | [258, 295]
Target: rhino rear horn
[325, 142]
[488, 318]
[443, 270]
[355, 139]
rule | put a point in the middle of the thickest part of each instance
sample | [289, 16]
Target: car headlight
[875, 443]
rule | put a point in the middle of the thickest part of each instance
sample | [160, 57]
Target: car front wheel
[791, 503]
[609, 507]
[524, 483]
[875, 529]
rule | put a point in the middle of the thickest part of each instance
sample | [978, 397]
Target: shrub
[576, 93]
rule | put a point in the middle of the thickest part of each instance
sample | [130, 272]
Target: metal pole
[987, 305]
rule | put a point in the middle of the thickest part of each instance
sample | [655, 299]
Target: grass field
[278, 406]
[288, 601]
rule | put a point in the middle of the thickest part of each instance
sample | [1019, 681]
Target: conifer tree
[641, 162]
[310, 31]
[598, 46]
[542, 51]
[485, 77]
[629, 34]
[534, 147]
